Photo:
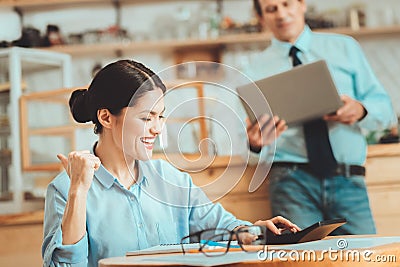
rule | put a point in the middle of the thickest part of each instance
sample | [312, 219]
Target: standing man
[318, 171]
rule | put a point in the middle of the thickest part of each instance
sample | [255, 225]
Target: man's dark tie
[320, 156]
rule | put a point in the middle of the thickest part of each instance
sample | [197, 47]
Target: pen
[214, 246]
[217, 244]
[214, 250]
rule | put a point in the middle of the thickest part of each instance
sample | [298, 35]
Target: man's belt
[341, 169]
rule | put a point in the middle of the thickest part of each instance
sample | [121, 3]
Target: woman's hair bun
[79, 104]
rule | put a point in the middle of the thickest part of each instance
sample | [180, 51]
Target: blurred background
[47, 47]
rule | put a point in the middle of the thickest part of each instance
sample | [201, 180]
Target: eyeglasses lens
[214, 242]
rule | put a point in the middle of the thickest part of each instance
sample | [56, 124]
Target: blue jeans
[305, 200]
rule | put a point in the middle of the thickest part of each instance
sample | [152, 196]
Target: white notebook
[162, 249]
[177, 248]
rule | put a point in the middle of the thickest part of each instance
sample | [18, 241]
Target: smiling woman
[142, 122]
[114, 199]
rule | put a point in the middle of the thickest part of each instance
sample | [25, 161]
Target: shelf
[21, 64]
[162, 45]
[383, 150]
[5, 157]
[33, 60]
[43, 3]
[59, 95]
[51, 3]
[365, 32]
[35, 217]
[220, 42]
[5, 130]
[5, 197]
[5, 87]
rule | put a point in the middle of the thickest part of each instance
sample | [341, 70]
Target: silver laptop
[301, 94]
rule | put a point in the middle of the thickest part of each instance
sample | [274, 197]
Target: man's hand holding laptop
[264, 131]
[351, 111]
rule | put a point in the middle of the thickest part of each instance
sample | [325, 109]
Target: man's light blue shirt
[353, 77]
[161, 208]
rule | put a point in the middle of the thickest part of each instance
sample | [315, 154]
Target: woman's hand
[279, 224]
[80, 167]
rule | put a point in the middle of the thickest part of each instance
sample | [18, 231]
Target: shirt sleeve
[54, 253]
[370, 92]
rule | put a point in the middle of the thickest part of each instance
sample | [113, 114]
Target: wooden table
[382, 255]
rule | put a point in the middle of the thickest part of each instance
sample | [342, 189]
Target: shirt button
[132, 198]
[140, 225]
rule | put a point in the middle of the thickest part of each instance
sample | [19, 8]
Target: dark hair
[257, 7]
[112, 88]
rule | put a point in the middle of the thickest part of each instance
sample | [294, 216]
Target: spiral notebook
[190, 248]
[163, 249]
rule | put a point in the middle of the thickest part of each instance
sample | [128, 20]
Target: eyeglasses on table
[217, 241]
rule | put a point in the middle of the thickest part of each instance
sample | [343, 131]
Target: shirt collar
[104, 177]
[107, 179]
[142, 180]
[303, 42]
